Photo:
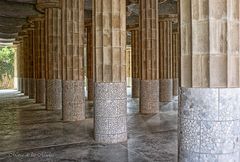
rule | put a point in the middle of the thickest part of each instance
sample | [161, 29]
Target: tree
[6, 61]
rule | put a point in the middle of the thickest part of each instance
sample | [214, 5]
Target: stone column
[90, 64]
[109, 21]
[21, 64]
[175, 51]
[149, 91]
[135, 63]
[25, 59]
[53, 25]
[129, 65]
[73, 54]
[209, 114]
[39, 57]
[17, 63]
[31, 81]
[166, 57]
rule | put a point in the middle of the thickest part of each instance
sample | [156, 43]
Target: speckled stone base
[166, 90]
[175, 87]
[31, 88]
[73, 100]
[25, 82]
[54, 94]
[110, 122]
[135, 87]
[90, 90]
[41, 91]
[209, 122]
[149, 96]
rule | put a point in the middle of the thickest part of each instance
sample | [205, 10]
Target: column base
[209, 121]
[135, 87]
[166, 90]
[149, 96]
[175, 87]
[41, 91]
[31, 88]
[110, 122]
[90, 90]
[54, 94]
[73, 100]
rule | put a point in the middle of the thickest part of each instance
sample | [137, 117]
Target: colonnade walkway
[28, 132]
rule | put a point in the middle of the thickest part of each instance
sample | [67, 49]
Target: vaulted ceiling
[14, 13]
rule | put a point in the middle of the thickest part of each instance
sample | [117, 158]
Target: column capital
[22, 34]
[44, 4]
[168, 17]
[32, 19]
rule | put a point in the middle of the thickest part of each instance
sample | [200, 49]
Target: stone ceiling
[14, 13]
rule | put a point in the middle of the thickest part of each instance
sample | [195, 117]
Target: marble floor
[30, 133]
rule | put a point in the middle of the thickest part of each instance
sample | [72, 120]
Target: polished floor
[29, 133]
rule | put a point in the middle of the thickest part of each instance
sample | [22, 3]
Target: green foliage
[6, 61]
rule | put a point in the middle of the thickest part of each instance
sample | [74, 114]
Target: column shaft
[166, 62]
[110, 121]
[25, 55]
[90, 64]
[175, 46]
[135, 64]
[53, 58]
[39, 58]
[31, 80]
[149, 91]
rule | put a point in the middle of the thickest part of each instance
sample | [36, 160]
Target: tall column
[39, 55]
[73, 54]
[20, 62]
[15, 80]
[31, 81]
[166, 58]
[53, 52]
[175, 50]
[25, 60]
[129, 65]
[90, 64]
[135, 63]
[209, 113]
[149, 91]
[17, 63]
[110, 121]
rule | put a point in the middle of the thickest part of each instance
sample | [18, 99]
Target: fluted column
[31, 80]
[53, 25]
[135, 63]
[110, 121]
[73, 53]
[149, 91]
[21, 64]
[17, 63]
[209, 115]
[166, 57]
[26, 60]
[39, 55]
[90, 64]
[176, 52]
